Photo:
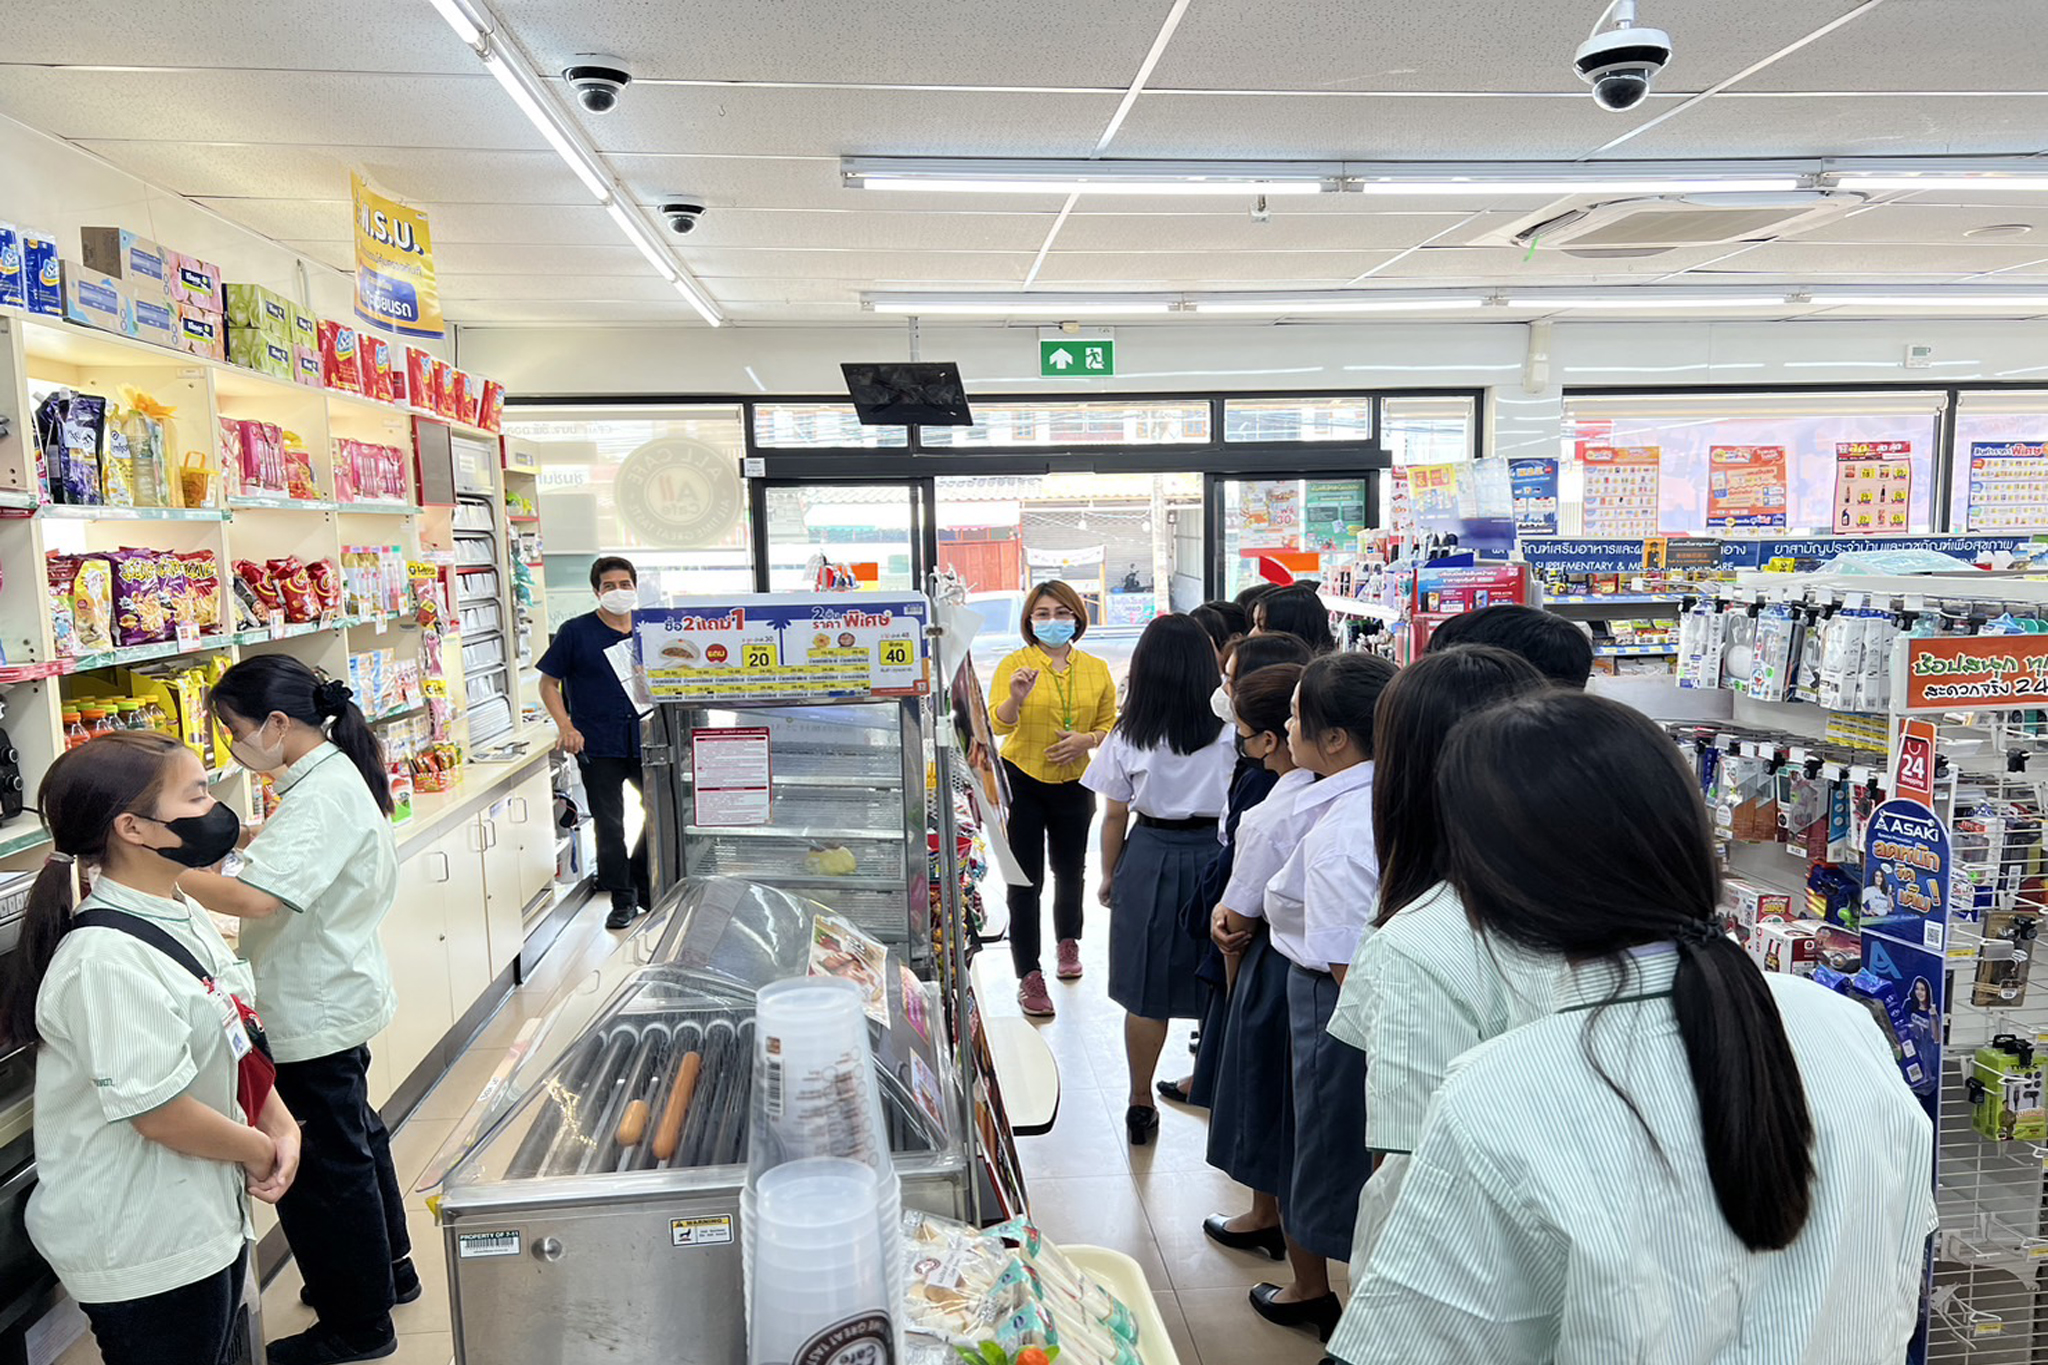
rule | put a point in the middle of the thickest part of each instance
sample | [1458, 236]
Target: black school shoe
[620, 917]
[404, 1279]
[1270, 1242]
[324, 1345]
[1318, 1315]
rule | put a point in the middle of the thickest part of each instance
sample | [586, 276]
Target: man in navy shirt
[601, 727]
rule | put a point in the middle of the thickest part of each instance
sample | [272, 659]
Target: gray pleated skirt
[1151, 960]
[1320, 1206]
[1251, 1118]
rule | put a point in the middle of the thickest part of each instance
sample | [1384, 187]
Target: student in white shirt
[1758, 1185]
[144, 1158]
[1317, 908]
[1251, 1084]
[1423, 987]
[1168, 759]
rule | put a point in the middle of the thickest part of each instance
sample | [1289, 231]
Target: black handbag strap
[151, 934]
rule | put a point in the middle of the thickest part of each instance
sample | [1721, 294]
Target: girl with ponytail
[1688, 1160]
[315, 885]
[144, 1152]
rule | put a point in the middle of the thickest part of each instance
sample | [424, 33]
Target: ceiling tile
[1923, 45]
[1513, 265]
[1932, 225]
[417, 175]
[916, 41]
[865, 266]
[298, 107]
[361, 35]
[555, 286]
[1850, 126]
[1287, 231]
[1203, 269]
[1445, 127]
[330, 220]
[854, 230]
[1884, 258]
[669, 118]
[1342, 45]
[670, 311]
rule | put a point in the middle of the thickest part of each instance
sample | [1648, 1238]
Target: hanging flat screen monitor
[908, 395]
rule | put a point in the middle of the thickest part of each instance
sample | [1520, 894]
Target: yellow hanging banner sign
[395, 285]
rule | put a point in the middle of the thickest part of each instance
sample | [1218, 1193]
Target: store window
[1298, 419]
[813, 426]
[658, 484]
[1430, 429]
[1756, 464]
[1167, 422]
[2000, 480]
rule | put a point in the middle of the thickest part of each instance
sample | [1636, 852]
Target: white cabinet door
[415, 938]
[466, 914]
[533, 824]
[501, 882]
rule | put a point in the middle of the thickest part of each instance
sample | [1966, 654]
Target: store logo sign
[679, 494]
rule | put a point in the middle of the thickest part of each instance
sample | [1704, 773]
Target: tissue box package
[138, 263]
[94, 300]
[41, 273]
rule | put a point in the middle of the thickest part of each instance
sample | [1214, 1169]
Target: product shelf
[57, 511]
[1614, 599]
[1353, 606]
[142, 654]
[278, 502]
[1632, 651]
[370, 507]
[21, 834]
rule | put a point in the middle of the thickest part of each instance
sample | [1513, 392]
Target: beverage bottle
[74, 731]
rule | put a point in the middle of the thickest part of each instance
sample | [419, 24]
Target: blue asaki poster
[1906, 875]
[1533, 485]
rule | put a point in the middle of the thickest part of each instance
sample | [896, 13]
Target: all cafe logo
[381, 228]
[679, 494]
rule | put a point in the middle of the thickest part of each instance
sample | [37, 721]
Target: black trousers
[604, 783]
[1046, 817]
[345, 1214]
[193, 1324]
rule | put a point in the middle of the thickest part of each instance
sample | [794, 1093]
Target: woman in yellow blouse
[1052, 706]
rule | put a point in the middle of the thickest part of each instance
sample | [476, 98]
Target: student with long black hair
[1422, 987]
[315, 885]
[1296, 610]
[1690, 1159]
[144, 1154]
[1168, 761]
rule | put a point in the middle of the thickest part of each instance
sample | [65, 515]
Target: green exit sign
[1076, 356]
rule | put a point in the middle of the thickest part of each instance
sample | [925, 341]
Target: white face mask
[619, 601]
[257, 757]
[1219, 702]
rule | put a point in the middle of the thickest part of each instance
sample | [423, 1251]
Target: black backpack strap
[149, 933]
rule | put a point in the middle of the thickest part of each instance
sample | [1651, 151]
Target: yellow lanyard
[1063, 688]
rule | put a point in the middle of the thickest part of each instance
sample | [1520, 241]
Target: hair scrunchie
[332, 696]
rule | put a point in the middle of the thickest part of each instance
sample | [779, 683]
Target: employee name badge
[230, 1020]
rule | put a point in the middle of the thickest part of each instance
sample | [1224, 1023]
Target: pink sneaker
[1031, 995]
[1070, 960]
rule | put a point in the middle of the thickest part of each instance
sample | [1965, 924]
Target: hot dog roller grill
[577, 1230]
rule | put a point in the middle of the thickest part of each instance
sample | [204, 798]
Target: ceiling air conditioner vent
[1647, 227]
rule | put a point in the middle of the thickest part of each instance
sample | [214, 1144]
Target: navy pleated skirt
[1151, 960]
[1320, 1207]
[1251, 1117]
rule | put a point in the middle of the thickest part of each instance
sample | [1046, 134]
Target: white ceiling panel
[1509, 265]
[1203, 269]
[1885, 258]
[609, 254]
[992, 267]
[329, 220]
[852, 230]
[340, 255]
[420, 175]
[1924, 45]
[670, 311]
[886, 41]
[303, 107]
[555, 287]
[1850, 126]
[1449, 127]
[752, 121]
[360, 35]
[1913, 223]
[1456, 44]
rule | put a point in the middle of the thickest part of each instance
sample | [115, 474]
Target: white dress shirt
[1266, 836]
[1161, 783]
[1539, 1221]
[1325, 897]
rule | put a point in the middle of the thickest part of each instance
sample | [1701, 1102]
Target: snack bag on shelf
[262, 458]
[340, 357]
[176, 591]
[117, 470]
[419, 378]
[298, 468]
[139, 617]
[60, 572]
[259, 585]
[295, 586]
[375, 355]
[490, 407]
[326, 581]
[202, 577]
[444, 389]
[463, 403]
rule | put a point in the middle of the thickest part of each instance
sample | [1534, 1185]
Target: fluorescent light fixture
[513, 78]
[1954, 298]
[1018, 306]
[998, 175]
[464, 26]
[705, 308]
[1284, 307]
[630, 224]
[1105, 185]
[1939, 181]
[1652, 303]
[1424, 185]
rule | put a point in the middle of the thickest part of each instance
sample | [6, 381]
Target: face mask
[203, 839]
[1054, 633]
[1219, 702]
[254, 756]
[619, 601]
[1241, 751]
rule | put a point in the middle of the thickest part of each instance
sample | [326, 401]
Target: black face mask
[203, 839]
[1241, 738]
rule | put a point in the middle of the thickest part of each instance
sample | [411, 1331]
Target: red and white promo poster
[1873, 487]
[1746, 488]
[1621, 487]
[729, 771]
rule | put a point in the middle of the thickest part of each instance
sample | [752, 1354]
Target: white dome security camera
[598, 81]
[1621, 62]
[681, 215]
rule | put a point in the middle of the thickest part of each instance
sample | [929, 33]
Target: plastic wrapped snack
[1059, 1274]
[176, 590]
[139, 615]
[326, 579]
[261, 585]
[295, 587]
[117, 471]
[60, 572]
[202, 579]
[298, 467]
[92, 604]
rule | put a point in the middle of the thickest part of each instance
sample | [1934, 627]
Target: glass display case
[590, 1201]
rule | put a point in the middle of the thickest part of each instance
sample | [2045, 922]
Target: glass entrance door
[872, 529]
[1309, 526]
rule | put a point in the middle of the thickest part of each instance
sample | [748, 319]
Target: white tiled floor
[1087, 1184]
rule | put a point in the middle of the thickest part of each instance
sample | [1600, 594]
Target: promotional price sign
[1873, 486]
[395, 283]
[1746, 487]
[2008, 484]
[1913, 774]
[1621, 487]
[1533, 484]
[1976, 672]
[784, 647]
[1433, 493]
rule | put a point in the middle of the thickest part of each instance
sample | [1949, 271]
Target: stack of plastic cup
[815, 1097]
[818, 1256]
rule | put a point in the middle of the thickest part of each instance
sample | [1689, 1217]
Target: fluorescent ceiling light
[1105, 185]
[637, 235]
[1673, 302]
[1424, 185]
[1281, 307]
[1950, 299]
[697, 301]
[1939, 181]
[509, 75]
[464, 26]
[1023, 306]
